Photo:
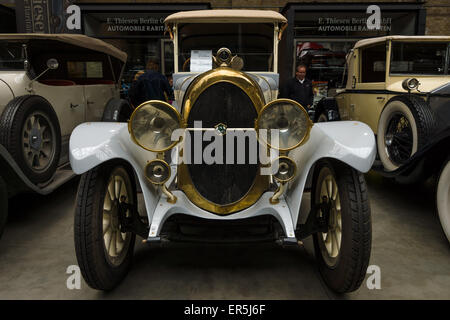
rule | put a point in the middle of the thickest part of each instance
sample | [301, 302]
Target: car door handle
[90, 102]
[381, 98]
[73, 106]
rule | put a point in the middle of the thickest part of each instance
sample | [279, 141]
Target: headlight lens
[286, 169]
[152, 124]
[410, 84]
[157, 171]
[289, 118]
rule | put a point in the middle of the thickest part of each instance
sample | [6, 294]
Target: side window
[85, 69]
[373, 63]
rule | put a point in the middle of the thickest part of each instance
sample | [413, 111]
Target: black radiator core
[223, 183]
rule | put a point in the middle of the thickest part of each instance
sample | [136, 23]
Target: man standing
[150, 85]
[299, 88]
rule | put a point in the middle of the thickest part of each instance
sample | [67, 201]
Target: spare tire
[29, 130]
[405, 126]
[117, 110]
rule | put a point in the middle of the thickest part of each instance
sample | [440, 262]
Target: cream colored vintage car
[227, 162]
[49, 84]
[400, 87]
[389, 83]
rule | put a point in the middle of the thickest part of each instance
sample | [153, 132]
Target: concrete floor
[408, 246]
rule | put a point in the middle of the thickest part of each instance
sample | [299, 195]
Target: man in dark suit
[299, 88]
[150, 85]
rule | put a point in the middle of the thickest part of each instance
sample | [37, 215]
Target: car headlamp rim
[165, 164]
[292, 162]
[410, 84]
[130, 122]
[295, 103]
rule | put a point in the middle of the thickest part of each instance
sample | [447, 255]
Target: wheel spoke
[334, 245]
[107, 227]
[118, 186]
[110, 246]
[111, 192]
[329, 188]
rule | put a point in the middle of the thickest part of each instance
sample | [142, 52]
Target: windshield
[252, 42]
[11, 56]
[427, 58]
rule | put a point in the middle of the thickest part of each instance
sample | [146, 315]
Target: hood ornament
[221, 129]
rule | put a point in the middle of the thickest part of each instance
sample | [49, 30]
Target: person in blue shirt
[150, 85]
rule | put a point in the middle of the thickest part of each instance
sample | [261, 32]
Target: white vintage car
[226, 162]
[49, 84]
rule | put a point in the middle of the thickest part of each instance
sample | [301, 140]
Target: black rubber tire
[117, 110]
[422, 122]
[3, 205]
[349, 268]
[443, 197]
[90, 250]
[12, 121]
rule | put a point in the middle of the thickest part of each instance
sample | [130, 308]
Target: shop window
[373, 63]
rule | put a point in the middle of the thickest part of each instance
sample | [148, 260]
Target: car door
[369, 95]
[97, 96]
[67, 99]
[99, 87]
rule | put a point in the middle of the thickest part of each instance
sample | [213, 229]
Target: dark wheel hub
[399, 139]
[35, 139]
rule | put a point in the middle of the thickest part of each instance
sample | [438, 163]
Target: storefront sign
[106, 24]
[355, 24]
[47, 16]
[34, 16]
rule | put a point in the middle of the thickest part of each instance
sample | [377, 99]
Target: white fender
[351, 142]
[93, 143]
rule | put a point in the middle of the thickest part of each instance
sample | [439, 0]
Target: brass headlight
[286, 169]
[152, 123]
[289, 118]
[157, 171]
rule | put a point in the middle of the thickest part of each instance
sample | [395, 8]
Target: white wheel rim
[116, 243]
[331, 241]
[443, 199]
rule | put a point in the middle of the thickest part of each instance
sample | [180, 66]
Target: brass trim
[293, 175]
[259, 186]
[165, 164]
[275, 199]
[133, 138]
[171, 198]
[253, 91]
[295, 103]
[222, 74]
